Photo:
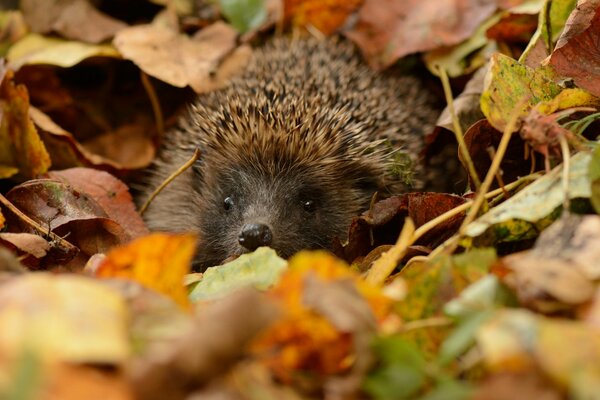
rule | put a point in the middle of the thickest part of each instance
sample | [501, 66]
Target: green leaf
[260, 269]
[508, 83]
[402, 371]
[558, 14]
[244, 15]
[462, 337]
[537, 201]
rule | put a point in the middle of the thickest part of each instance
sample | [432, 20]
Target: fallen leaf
[129, 146]
[65, 211]
[482, 141]
[109, 192]
[387, 30]
[534, 204]
[158, 261]
[574, 367]
[218, 337]
[260, 269]
[38, 312]
[244, 15]
[175, 58]
[562, 265]
[66, 152]
[466, 104]
[326, 16]
[507, 84]
[72, 19]
[466, 57]
[34, 245]
[308, 340]
[507, 341]
[37, 49]
[572, 56]
[382, 224]
[21, 150]
[154, 319]
[551, 21]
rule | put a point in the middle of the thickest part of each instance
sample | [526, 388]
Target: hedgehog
[291, 150]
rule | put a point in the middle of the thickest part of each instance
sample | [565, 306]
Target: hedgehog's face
[241, 211]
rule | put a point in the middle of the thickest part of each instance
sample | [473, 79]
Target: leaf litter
[501, 306]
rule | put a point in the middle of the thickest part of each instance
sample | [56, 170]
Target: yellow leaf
[158, 261]
[63, 318]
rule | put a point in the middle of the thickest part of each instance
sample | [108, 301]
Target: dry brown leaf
[575, 54]
[29, 243]
[129, 146]
[176, 58]
[217, 339]
[66, 212]
[562, 266]
[66, 152]
[109, 192]
[73, 19]
[388, 29]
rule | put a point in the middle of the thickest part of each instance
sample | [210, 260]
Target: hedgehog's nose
[253, 236]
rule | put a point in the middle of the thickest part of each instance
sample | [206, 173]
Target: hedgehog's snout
[253, 236]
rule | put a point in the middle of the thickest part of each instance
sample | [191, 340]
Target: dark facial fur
[293, 147]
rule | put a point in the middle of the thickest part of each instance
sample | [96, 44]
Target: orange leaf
[327, 16]
[21, 149]
[158, 261]
[306, 339]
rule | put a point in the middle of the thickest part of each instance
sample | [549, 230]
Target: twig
[564, 148]
[423, 229]
[492, 152]
[458, 133]
[158, 116]
[171, 177]
[384, 265]
[489, 178]
[37, 227]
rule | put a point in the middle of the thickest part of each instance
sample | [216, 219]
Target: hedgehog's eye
[228, 203]
[309, 205]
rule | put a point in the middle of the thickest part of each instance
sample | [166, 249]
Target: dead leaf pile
[493, 293]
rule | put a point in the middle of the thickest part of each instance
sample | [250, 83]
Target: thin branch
[43, 231]
[458, 133]
[171, 177]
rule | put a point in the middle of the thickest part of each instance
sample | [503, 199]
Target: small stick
[423, 229]
[386, 263]
[564, 148]
[458, 133]
[37, 227]
[489, 178]
[171, 177]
